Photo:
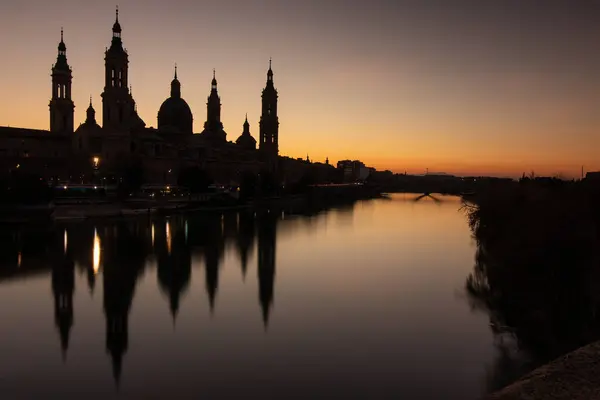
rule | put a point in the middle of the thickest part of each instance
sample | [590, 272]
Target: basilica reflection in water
[120, 252]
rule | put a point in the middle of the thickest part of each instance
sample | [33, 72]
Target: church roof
[26, 133]
[174, 107]
[246, 140]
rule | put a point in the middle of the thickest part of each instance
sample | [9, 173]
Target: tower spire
[117, 26]
[214, 80]
[175, 70]
[61, 34]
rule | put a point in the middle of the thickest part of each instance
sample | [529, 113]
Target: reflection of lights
[66, 241]
[186, 231]
[19, 260]
[152, 233]
[96, 252]
[168, 230]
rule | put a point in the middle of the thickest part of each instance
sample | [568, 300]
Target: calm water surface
[362, 301]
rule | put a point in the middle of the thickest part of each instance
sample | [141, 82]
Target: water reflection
[359, 294]
[96, 252]
[118, 253]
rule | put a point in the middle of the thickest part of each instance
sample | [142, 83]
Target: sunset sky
[466, 87]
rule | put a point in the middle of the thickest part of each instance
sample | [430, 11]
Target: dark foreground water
[363, 301]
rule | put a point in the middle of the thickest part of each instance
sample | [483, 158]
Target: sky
[495, 87]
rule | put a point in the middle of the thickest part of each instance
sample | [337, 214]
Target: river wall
[574, 376]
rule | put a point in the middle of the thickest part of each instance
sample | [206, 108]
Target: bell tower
[118, 106]
[62, 108]
[269, 122]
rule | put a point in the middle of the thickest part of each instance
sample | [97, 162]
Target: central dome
[175, 115]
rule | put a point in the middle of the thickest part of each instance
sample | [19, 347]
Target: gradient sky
[467, 87]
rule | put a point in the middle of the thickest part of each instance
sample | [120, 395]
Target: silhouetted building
[175, 115]
[269, 121]
[98, 151]
[246, 140]
[353, 171]
[62, 108]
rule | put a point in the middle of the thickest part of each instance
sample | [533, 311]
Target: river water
[361, 301]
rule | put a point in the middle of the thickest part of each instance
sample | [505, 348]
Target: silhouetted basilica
[68, 152]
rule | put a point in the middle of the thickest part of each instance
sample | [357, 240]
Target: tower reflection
[117, 253]
[174, 264]
[63, 287]
[267, 232]
[124, 255]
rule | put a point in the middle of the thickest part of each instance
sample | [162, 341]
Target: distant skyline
[463, 86]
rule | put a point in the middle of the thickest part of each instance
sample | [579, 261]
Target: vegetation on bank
[537, 270]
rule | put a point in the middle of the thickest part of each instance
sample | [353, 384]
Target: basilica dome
[175, 114]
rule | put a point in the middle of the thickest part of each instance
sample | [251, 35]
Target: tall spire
[175, 85]
[117, 25]
[270, 74]
[91, 114]
[61, 59]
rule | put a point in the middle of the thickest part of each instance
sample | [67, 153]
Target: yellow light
[65, 187]
[66, 241]
[96, 252]
[96, 161]
[168, 231]
[152, 235]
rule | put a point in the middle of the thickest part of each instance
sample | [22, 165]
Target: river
[361, 301]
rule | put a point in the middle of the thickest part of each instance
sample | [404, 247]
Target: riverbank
[92, 208]
[575, 376]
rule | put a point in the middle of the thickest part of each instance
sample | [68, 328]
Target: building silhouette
[100, 146]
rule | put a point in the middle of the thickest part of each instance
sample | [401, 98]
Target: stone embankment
[575, 376]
